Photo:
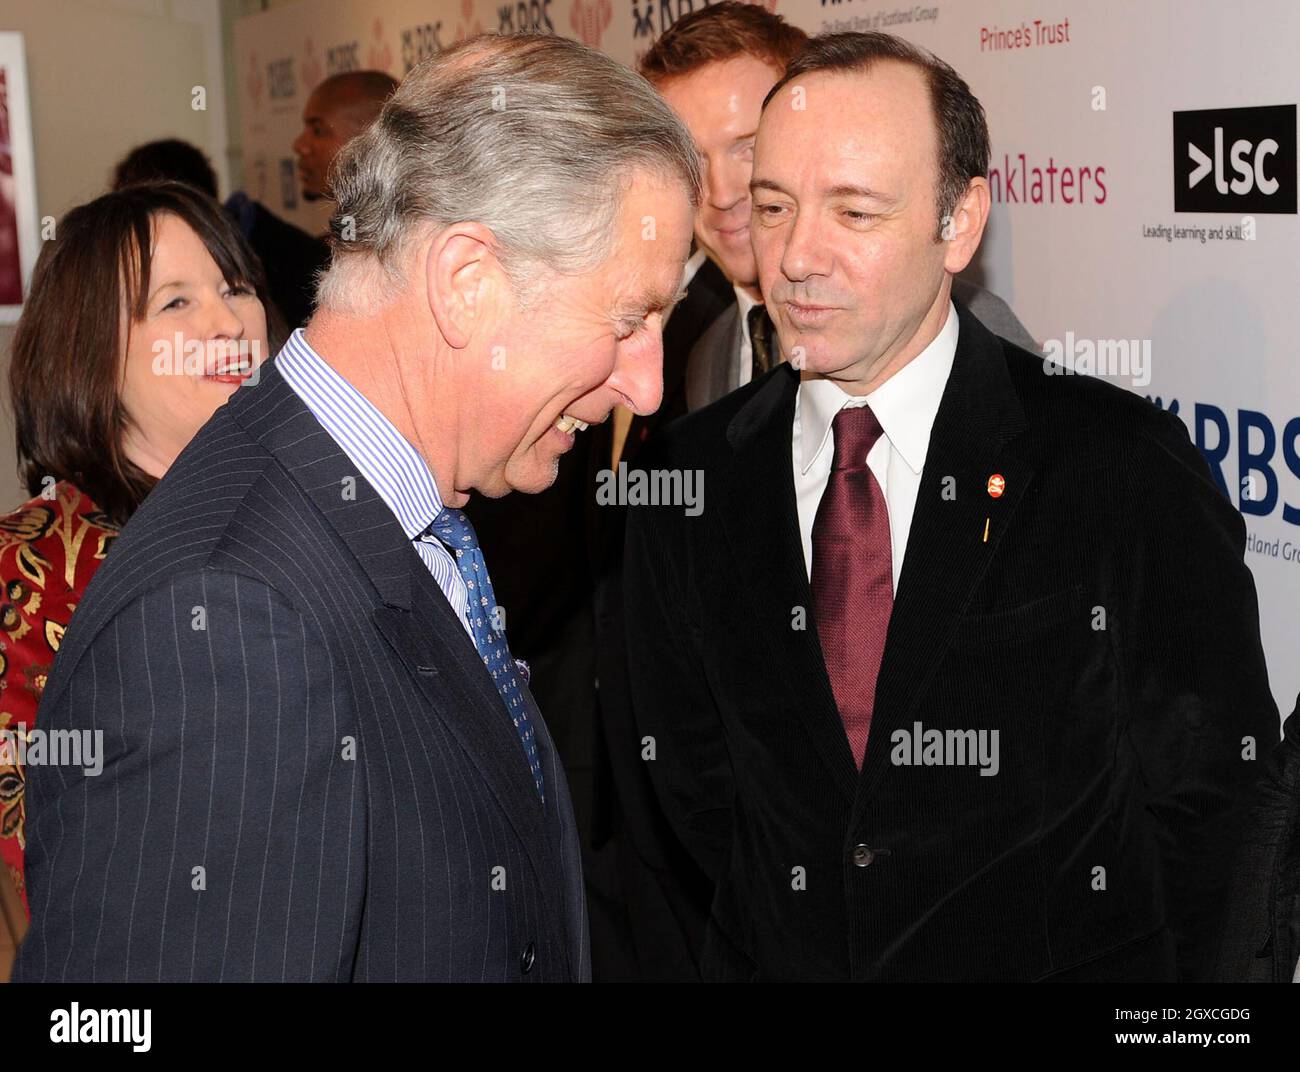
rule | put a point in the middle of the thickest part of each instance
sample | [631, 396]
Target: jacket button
[528, 958]
[862, 855]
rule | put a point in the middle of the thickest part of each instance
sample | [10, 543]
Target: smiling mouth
[233, 369]
[568, 424]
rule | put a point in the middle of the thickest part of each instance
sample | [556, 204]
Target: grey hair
[531, 135]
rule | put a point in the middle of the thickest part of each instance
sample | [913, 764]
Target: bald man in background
[337, 111]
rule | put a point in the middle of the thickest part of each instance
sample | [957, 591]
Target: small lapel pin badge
[997, 485]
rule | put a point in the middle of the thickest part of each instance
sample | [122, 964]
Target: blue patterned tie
[453, 528]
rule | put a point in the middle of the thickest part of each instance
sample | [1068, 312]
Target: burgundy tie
[852, 574]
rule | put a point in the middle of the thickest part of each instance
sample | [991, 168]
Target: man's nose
[804, 253]
[727, 182]
[639, 372]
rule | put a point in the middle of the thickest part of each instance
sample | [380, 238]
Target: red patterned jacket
[50, 547]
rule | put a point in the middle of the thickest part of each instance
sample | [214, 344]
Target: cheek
[255, 329]
[702, 233]
[157, 390]
[602, 356]
[767, 243]
[140, 385]
[875, 265]
[574, 361]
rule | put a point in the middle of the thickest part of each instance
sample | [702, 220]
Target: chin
[543, 480]
[835, 366]
[534, 480]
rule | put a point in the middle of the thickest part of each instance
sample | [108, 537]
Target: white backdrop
[1094, 262]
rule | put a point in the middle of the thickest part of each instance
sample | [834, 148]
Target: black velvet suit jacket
[1106, 629]
[1262, 937]
[309, 774]
[648, 902]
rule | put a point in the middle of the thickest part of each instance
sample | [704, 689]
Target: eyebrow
[655, 300]
[839, 190]
[165, 286]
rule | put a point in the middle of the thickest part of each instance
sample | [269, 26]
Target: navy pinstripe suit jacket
[308, 773]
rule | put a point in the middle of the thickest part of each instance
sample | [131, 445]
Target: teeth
[567, 424]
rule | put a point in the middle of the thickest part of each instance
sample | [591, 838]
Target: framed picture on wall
[18, 233]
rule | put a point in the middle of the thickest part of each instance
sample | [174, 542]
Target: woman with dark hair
[146, 312]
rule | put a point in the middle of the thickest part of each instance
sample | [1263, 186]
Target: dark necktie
[453, 528]
[852, 574]
[760, 341]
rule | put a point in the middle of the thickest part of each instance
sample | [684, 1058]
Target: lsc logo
[1235, 160]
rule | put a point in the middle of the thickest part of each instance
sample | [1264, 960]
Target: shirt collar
[905, 404]
[743, 299]
[393, 467]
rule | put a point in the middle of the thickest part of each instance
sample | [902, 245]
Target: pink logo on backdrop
[311, 69]
[590, 19]
[381, 55]
[468, 26]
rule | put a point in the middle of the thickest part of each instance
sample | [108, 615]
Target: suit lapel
[412, 613]
[761, 520]
[974, 437]
[710, 369]
[440, 657]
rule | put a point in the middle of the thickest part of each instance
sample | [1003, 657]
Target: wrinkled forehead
[880, 119]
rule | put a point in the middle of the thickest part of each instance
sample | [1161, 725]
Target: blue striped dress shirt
[381, 454]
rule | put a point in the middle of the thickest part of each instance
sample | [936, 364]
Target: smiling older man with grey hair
[322, 761]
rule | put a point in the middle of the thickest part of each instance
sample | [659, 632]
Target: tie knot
[453, 528]
[856, 431]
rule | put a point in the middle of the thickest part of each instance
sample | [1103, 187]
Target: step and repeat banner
[1143, 175]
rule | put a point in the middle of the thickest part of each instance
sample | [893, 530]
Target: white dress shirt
[905, 405]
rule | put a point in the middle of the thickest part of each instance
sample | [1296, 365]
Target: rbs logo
[1235, 160]
[1248, 451]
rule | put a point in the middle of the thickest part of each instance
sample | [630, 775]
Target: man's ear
[961, 232]
[463, 277]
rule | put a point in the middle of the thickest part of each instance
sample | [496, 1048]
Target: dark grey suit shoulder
[994, 313]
